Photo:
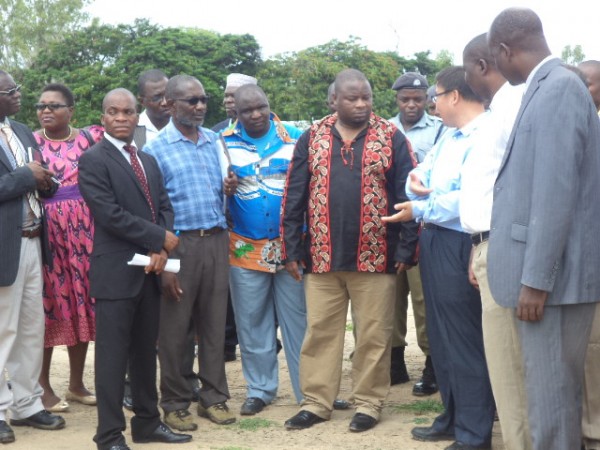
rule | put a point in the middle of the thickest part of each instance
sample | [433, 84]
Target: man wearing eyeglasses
[22, 178]
[453, 305]
[151, 95]
[195, 172]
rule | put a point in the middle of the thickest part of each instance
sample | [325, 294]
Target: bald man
[543, 258]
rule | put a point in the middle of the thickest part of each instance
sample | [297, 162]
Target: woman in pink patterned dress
[68, 307]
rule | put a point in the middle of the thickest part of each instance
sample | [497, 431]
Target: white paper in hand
[173, 265]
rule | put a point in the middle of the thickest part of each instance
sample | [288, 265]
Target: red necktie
[139, 173]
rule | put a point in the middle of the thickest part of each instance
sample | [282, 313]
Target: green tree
[29, 26]
[296, 82]
[96, 59]
[572, 56]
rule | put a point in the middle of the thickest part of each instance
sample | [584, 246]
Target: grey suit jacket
[14, 183]
[122, 218]
[546, 212]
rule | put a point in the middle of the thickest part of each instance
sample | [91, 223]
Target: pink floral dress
[68, 308]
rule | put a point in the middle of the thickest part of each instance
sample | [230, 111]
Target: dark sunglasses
[12, 91]
[50, 106]
[193, 101]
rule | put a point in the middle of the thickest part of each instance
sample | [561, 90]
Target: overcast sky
[403, 26]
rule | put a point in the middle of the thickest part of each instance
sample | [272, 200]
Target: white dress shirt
[481, 168]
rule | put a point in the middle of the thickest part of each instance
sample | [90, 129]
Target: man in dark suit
[22, 178]
[125, 193]
[544, 255]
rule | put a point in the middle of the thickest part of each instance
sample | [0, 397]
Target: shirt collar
[116, 142]
[146, 122]
[174, 135]
[470, 127]
[535, 69]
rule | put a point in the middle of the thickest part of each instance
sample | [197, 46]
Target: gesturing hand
[416, 186]
[405, 214]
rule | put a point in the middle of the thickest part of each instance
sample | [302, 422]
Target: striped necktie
[17, 153]
[139, 173]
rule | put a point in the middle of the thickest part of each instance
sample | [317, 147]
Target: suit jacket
[122, 218]
[14, 183]
[546, 211]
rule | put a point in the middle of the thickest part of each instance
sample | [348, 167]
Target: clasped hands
[158, 261]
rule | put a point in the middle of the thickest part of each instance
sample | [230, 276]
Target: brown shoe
[181, 420]
[218, 413]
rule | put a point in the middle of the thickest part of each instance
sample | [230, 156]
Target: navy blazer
[122, 218]
[14, 183]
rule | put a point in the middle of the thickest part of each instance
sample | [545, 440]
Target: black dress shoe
[362, 422]
[430, 435]
[251, 406]
[164, 434]
[196, 394]
[42, 420]
[422, 388]
[6, 433]
[128, 402]
[119, 447]
[340, 405]
[304, 419]
[461, 446]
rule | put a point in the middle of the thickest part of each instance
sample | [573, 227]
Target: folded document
[143, 260]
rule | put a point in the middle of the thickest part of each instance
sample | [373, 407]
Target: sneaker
[181, 420]
[218, 413]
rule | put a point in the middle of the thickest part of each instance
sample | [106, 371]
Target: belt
[32, 232]
[478, 238]
[432, 226]
[203, 233]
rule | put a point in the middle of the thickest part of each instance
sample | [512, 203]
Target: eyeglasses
[12, 91]
[436, 95]
[50, 106]
[194, 100]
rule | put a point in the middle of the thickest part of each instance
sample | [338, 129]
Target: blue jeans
[258, 299]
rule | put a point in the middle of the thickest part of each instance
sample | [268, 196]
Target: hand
[531, 304]
[171, 241]
[170, 286]
[230, 184]
[157, 263]
[293, 269]
[472, 278]
[402, 267]
[43, 177]
[405, 214]
[416, 186]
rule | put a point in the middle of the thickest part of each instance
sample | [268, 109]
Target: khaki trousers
[327, 297]
[591, 389]
[504, 360]
[410, 282]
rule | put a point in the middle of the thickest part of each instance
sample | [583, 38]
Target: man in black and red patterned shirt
[348, 170]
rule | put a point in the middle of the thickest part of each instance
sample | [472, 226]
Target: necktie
[139, 173]
[17, 152]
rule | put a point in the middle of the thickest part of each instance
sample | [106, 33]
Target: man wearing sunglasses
[194, 168]
[22, 179]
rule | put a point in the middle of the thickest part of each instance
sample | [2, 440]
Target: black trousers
[126, 330]
[453, 320]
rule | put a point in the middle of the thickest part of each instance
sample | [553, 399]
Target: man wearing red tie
[125, 192]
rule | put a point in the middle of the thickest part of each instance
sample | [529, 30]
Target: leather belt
[432, 226]
[203, 233]
[32, 232]
[478, 238]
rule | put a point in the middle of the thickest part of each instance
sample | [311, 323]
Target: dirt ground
[264, 431]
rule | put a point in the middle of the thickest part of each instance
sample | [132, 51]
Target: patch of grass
[253, 424]
[420, 407]
[421, 420]
[349, 326]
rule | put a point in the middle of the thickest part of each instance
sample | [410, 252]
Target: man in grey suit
[22, 244]
[544, 255]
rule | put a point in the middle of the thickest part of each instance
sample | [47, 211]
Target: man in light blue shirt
[191, 160]
[453, 305]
